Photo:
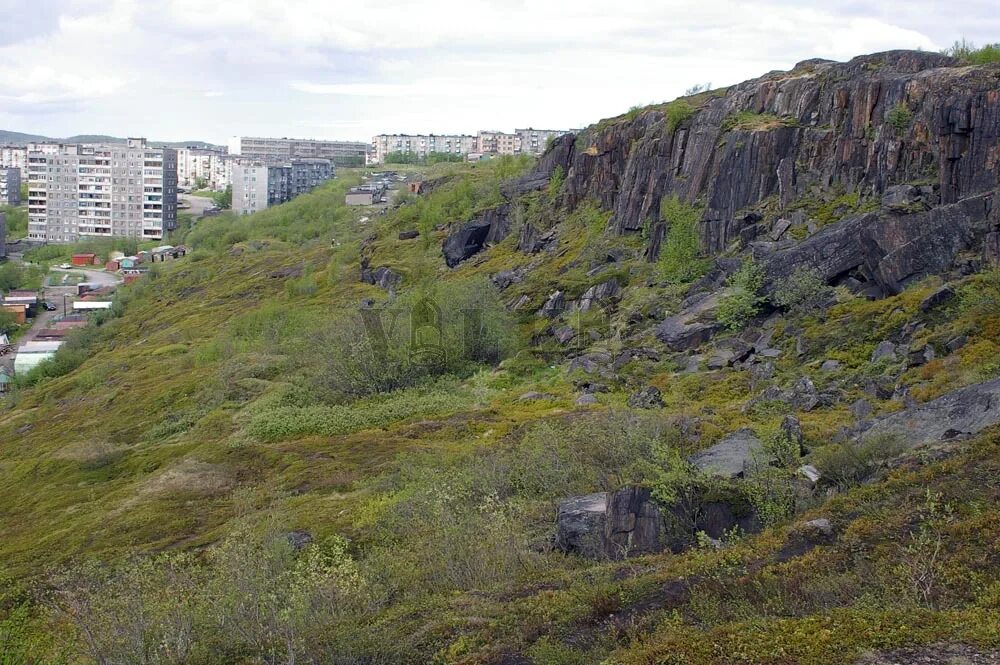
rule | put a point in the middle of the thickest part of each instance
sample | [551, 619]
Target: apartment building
[534, 141]
[13, 157]
[196, 166]
[88, 191]
[10, 186]
[497, 143]
[257, 186]
[421, 145]
[275, 151]
[486, 142]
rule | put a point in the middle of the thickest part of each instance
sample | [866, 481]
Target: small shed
[19, 311]
[5, 380]
[112, 266]
[129, 262]
[84, 259]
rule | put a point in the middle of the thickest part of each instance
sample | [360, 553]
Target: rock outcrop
[888, 249]
[610, 525]
[958, 414]
[876, 122]
[490, 226]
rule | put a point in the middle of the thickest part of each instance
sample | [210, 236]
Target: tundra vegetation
[258, 457]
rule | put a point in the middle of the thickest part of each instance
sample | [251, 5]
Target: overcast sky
[209, 69]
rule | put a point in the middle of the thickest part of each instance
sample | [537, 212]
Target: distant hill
[19, 137]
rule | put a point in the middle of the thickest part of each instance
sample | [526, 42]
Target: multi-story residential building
[257, 186]
[307, 174]
[13, 157]
[534, 141]
[497, 143]
[198, 166]
[531, 141]
[87, 191]
[10, 186]
[270, 150]
[16, 156]
[422, 145]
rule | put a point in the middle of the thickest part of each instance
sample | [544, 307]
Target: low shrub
[849, 463]
[745, 302]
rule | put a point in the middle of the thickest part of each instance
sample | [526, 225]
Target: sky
[210, 69]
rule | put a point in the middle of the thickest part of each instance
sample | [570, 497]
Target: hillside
[714, 381]
[18, 138]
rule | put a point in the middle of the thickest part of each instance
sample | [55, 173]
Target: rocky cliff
[750, 153]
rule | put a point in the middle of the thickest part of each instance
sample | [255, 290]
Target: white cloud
[190, 68]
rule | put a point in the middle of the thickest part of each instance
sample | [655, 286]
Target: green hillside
[259, 456]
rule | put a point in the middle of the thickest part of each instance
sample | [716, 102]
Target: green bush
[745, 302]
[802, 292]
[973, 55]
[849, 463]
[900, 117]
[440, 328]
[681, 260]
[677, 113]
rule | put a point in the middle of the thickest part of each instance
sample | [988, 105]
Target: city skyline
[179, 70]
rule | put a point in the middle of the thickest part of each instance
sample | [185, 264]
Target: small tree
[681, 260]
[745, 302]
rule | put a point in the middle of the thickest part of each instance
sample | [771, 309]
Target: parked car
[49, 307]
[65, 266]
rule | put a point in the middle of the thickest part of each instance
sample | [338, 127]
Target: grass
[748, 121]
[17, 222]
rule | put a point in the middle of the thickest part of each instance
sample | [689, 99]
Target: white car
[65, 266]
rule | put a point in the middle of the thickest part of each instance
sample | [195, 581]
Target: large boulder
[609, 525]
[490, 226]
[732, 457]
[957, 414]
[692, 326]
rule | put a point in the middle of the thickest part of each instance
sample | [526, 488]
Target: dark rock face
[836, 131]
[604, 293]
[609, 525]
[471, 237]
[554, 305]
[940, 296]
[958, 414]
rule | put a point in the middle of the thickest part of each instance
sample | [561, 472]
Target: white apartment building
[13, 157]
[88, 191]
[274, 151]
[422, 145]
[16, 156]
[530, 141]
[212, 167]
